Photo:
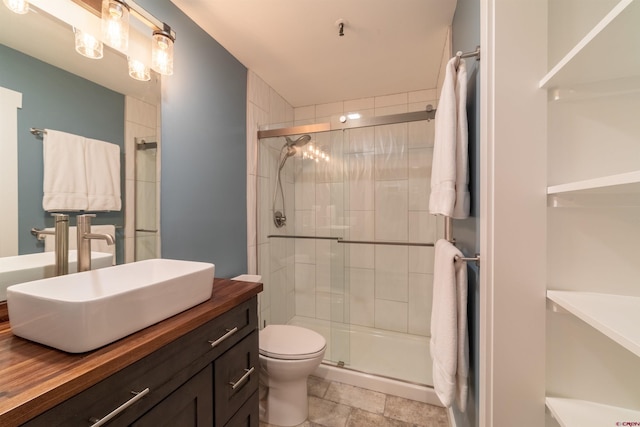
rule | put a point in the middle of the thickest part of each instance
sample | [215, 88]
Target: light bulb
[138, 70]
[162, 53]
[18, 6]
[115, 24]
[87, 45]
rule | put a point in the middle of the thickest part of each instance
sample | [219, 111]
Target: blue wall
[466, 37]
[203, 181]
[55, 99]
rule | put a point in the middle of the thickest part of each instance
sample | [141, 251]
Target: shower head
[292, 146]
[300, 142]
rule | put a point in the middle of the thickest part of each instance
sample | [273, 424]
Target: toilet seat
[290, 342]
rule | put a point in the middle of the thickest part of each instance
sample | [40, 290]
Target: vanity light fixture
[115, 24]
[87, 45]
[18, 6]
[114, 16]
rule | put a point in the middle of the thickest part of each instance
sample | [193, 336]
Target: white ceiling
[389, 46]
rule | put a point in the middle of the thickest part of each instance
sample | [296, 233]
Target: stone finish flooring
[333, 404]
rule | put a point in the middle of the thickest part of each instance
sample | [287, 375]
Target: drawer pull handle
[138, 395]
[224, 337]
[242, 379]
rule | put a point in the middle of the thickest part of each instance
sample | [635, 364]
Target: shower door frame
[428, 114]
[345, 124]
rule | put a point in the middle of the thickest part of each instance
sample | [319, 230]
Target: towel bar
[357, 242]
[475, 259]
[37, 132]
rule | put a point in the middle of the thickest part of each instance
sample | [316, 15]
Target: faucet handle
[84, 220]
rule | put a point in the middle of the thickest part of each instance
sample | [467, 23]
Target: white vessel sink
[25, 268]
[81, 312]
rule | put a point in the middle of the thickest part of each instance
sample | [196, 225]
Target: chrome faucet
[61, 234]
[84, 241]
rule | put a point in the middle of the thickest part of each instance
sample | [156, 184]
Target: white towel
[449, 338]
[65, 183]
[103, 175]
[450, 171]
[97, 245]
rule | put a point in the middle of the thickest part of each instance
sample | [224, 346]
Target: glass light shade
[18, 6]
[115, 24]
[138, 70]
[87, 45]
[162, 53]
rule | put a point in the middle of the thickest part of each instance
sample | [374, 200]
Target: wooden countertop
[35, 378]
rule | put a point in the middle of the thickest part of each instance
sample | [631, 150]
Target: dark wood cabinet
[207, 377]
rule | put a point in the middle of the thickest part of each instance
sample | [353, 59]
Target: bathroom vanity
[197, 368]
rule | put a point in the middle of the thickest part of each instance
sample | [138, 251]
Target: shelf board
[613, 190]
[607, 52]
[621, 183]
[588, 91]
[582, 413]
[616, 316]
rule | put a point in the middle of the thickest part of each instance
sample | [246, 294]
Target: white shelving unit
[605, 62]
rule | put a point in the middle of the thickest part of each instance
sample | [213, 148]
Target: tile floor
[333, 404]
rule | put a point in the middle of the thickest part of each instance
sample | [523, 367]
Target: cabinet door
[247, 415]
[190, 405]
[235, 378]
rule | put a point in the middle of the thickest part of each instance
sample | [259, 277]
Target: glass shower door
[387, 246]
[146, 199]
[324, 165]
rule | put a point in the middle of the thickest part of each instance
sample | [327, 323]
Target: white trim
[406, 390]
[485, 339]
[10, 101]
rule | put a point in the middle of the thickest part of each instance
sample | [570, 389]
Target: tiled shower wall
[375, 187]
[265, 106]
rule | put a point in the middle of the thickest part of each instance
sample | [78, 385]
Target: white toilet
[288, 354]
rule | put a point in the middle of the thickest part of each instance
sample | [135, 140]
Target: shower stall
[345, 240]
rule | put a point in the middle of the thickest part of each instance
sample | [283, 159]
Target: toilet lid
[290, 342]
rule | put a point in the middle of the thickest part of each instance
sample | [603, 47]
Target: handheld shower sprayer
[289, 149]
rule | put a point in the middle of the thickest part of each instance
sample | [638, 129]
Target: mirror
[71, 93]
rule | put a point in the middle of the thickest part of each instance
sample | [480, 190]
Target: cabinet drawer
[235, 377]
[232, 326]
[160, 373]
[191, 405]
